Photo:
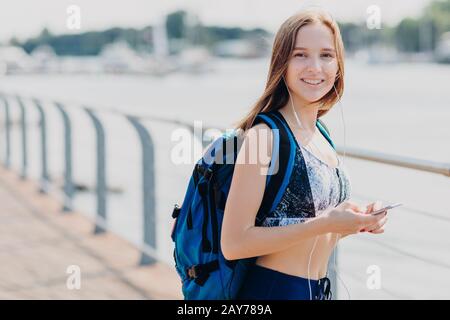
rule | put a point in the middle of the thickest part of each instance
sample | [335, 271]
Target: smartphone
[391, 206]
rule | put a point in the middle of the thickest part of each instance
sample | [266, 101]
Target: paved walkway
[38, 243]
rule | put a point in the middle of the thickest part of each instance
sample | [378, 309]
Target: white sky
[25, 18]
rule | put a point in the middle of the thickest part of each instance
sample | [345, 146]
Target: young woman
[293, 246]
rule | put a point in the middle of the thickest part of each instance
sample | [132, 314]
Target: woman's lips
[313, 82]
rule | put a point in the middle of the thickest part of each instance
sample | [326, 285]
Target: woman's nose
[314, 64]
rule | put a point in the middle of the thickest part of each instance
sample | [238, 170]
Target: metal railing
[149, 250]
[399, 161]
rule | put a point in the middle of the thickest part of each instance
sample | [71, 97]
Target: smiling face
[313, 65]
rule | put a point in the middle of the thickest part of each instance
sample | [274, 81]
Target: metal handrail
[357, 153]
[149, 253]
[395, 160]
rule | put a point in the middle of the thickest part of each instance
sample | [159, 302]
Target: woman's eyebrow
[323, 49]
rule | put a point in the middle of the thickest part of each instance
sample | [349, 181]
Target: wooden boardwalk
[38, 243]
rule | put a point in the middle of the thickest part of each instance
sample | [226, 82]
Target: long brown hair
[276, 95]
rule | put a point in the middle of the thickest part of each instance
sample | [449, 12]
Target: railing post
[7, 133]
[45, 179]
[148, 192]
[101, 173]
[68, 183]
[23, 123]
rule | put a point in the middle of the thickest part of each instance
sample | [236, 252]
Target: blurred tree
[351, 35]
[435, 21]
[45, 35]
[407, 35]
[14, 42]
[411, 35]
[175, 24]
[439, 12]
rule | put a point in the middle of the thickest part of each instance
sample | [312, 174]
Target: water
[401, 109]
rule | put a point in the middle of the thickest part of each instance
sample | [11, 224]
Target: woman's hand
[350, 218]
[378, 227]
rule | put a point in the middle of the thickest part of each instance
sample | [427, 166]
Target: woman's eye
[299, 55]
[327, 55]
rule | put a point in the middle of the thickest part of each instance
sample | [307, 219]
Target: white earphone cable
[309, 263]
[344, 157]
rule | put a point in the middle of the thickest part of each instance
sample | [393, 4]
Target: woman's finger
[374, 222]
[368, 220]
[378, 231]
[374, 206]
[377, 225]
[354, 206]
[369, 207]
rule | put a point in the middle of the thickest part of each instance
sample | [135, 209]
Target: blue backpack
[205, 273]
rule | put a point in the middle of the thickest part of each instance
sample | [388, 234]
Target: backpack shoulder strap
[281, 164]
[326, 133]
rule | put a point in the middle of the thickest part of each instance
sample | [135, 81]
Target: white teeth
[315, 82]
